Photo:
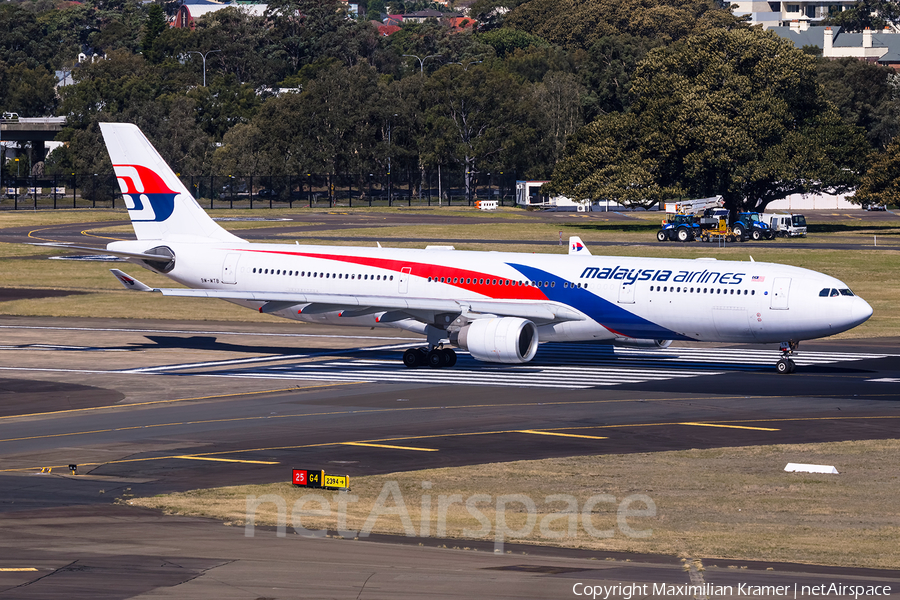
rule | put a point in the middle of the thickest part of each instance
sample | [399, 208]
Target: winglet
[130, 282]
[576, 246]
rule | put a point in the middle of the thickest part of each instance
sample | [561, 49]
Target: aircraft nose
[860, 311]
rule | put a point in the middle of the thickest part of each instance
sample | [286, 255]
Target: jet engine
[499, 340]
[628, 342]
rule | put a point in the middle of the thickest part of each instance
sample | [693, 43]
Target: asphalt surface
[151, 407]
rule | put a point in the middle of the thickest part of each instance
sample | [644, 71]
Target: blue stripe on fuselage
[612, 316]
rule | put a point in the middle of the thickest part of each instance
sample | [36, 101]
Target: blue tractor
[750, 225]
[680, 227]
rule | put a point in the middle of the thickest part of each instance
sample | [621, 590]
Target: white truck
[786, 224]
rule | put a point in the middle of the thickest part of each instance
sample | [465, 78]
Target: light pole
[467, 65]
[204, 55]
[390, 186]
[422, 60]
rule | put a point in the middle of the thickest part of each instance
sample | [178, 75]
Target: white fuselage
[615, 297]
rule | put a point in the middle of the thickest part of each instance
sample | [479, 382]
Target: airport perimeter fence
[269, 191]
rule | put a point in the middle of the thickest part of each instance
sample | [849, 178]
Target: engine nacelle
[499, 340]
[628, 342]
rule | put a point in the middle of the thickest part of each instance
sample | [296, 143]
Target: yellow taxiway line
[731, 426]
[231, 460]
[387, 446]
[573, 435]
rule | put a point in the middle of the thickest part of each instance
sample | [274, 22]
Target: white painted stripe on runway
[129, 330]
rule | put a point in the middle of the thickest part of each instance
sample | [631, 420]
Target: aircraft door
[781, 288]
[404, 279]
[229, 268]
[626, 293]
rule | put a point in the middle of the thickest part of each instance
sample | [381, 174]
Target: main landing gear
[436, 358]
[785, 365]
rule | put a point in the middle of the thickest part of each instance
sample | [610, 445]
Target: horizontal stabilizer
[106, 251]
[129, 282]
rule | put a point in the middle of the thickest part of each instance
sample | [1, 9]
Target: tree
[737, 113]
[872, 14]
[865, 94]
[479, 117]
[153, 27]
[881, 183]
[28, 92]
[580, 24]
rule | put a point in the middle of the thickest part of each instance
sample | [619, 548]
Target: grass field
[871, 272]
[723, 504]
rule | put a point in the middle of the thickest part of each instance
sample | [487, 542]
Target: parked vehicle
[749, 224]
[874, 207]
[686, 220]
[786, 225]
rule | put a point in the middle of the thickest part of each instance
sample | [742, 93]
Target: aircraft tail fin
[160, 206]
[576, 246]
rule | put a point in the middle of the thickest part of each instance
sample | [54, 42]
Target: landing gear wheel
[661, 236]
[792, 366]
[436, 358]
[411, 358]
[783, 366]
[756, 235]
[684, 235]
[450, 356]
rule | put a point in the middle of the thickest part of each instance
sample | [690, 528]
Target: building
[191, 10]
[881, 47]
[781, 13]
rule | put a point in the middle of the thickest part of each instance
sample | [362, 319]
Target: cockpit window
[824, 293]
[846, 292]
[834, 292]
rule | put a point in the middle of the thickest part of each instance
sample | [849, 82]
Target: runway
[146, 407]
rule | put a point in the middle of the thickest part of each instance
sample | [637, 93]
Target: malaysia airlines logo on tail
[577, 247]
[146, 195]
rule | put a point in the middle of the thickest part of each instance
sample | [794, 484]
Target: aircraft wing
[359, 305]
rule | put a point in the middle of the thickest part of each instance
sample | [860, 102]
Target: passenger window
[552, 284]
[392, 277]
[585, 285]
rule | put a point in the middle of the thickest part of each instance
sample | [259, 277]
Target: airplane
[497, 306]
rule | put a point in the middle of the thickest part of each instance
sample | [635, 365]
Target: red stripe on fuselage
[497, 292]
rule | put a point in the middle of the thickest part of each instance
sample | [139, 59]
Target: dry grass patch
[734, 503]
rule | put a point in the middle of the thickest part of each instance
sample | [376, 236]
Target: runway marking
[231, 460]
[195, 331]
[250, 393]
[387, 446]
[442, 435]
[16, 569]
[885, 380]
[564, 366]
[731, 426]
[260, 359]
[574, 435]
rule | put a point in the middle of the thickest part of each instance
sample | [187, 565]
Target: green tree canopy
[581, 23]
[881, 183]
[865, 94]
[737, 113]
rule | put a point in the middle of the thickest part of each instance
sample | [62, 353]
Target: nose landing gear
[785, 365]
